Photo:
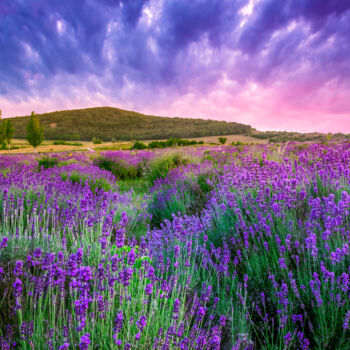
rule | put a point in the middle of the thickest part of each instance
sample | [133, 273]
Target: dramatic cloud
[270, 63]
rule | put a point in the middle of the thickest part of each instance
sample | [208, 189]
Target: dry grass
[48, 146]
[230, 139]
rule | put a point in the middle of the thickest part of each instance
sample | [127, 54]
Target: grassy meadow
[206, 247]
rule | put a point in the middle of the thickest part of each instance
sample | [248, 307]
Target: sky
[272, 64]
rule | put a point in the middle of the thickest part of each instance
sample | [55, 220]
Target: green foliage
[120, 169]
[137, 186]
[106, 123]
[2, 139]
[35, 131]
[237, 143]
[172, 142]
[181, 142]
[47, 162]
[156, 144]
[6, 133]
[66, 162]
[222, 140]
[283, 136]
[160, 167]
[67, 143]
[94, 184]
[139, 145]
[69, 137]
[96, 141]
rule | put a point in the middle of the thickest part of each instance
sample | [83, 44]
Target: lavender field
[230, 247]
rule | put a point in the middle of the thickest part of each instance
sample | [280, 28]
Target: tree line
[35, 132]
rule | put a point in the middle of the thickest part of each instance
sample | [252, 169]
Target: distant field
[231, 138]
[22, 146]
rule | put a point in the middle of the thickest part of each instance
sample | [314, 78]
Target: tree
[7, 132]
[2, 137]
[35, 131]
[222, 140]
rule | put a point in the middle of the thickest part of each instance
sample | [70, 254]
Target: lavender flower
[85, 341]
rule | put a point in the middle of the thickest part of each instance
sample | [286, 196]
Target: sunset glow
[276, 65]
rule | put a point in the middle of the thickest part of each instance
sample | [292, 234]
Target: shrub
[238, 143]
[157, 144]
[96, 141]
[153, 144]
[139, 145]
[222, 140]
[172, 142]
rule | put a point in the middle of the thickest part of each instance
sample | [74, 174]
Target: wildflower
[131, 257]
[116, 340]
[282, 263]
[85, 341]
[346, 320]
[222, 320]
[149, 289]
[65, 346]
[3, 243]
[37, 253]
[287, 339]
[141, 323]
[18, 268]
[118, 322]
[17, 288]
[201, 312]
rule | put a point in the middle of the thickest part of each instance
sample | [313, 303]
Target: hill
[107, 123]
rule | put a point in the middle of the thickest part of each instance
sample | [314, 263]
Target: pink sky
[272, 64]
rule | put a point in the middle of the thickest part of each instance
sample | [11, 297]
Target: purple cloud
[153, 55]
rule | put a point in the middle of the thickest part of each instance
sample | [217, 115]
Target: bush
[222, 140]
[172, 142]
[238, 143]
[96, 141]
[47, 162]
[158, 144]
[153, 144]
[139, 145]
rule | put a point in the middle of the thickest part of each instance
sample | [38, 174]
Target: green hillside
[108, 123]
